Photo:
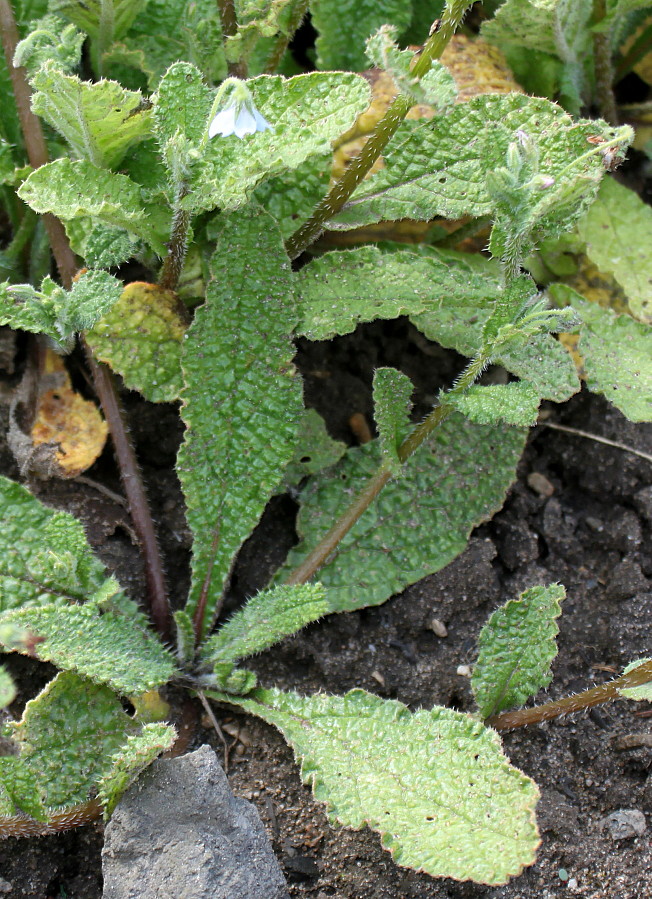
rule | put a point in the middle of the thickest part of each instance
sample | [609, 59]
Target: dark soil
[584, 521]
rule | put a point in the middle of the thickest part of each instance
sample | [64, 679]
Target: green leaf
[185, 638]
[515, 404]
[450, 485]
[642, 692]
[558, 27]
[44, 554]
[242, 400]
[435, 783]
[141, 337]
[291, 197]
[307, 112]
[340, 45]
[266, 619]
[67, 736]
[100, 120]
[617, 231]
[109, 19]
[617, 354]
[340, 289]
[106, 648]
[315, 450]
[517, 647]
[79, 189]
[133, 756]
[443, 167]
[48, 42]
[19, 791]
[7, 688]
[392, 391]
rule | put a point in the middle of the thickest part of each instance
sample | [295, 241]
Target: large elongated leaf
[342, 46]
[517, 646]
[110, 18]
[242, 400]
[307, 112]
[435, 783]
[442, 166]
[81, 190]
[99, 120]
[450, 485]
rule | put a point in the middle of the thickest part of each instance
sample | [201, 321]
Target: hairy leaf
[49, 42]
[340, 289]
[443, 166]
[450, 485]
[44, 554]
[392, 391]
[291, 197]
[100, 120]
[617, 230]
[558, 27]
[517, 647]
[515, 404]
[108, 18]
[141, 338]
[435, 783]
[79, 189]
[341, 46]
[242, 400]
[133, 756]
[266, 619]
[315, 450]
[7, 688]
[106, 648]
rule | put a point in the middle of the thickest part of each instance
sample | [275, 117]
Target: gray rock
[180, 833]
[625, 823]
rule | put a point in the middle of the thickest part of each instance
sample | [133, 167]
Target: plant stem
[329, 542]
[284, 37]
[178, 244]
[156, 599]
[635, 54]
[385, 130]
[229, 22]
[596, 696]
[604, 73]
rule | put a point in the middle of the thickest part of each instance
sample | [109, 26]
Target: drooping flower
[239, 116]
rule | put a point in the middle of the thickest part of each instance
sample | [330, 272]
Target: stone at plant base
[180, 833]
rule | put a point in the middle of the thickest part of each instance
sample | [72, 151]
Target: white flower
[239, 118]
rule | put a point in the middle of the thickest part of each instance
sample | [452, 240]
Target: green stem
[284, 37]
[596, 696]
[320, 554]
[178, 243]
[105, 34]
[604, 73]
[385, 130]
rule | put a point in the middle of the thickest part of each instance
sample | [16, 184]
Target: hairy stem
[596, 696]
[229, 22]
[156, 599]
[385, 130]
[329, 542]
[604, 73]
[284, 37]
[178, 244]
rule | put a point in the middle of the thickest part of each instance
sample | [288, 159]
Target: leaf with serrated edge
[133, 756]
[307, 112]
[242, 400]
[517, 647]
[44, 554]
[617, 231]
[79, 189]
[106, 648]
[515, 404]
[434, 783]
[266, 619]
[450, 485]
[616, 352]
[141, 338]
[642, 692]
[392, 391]
[100, 120]
[341, 47]
[94, 15]
[440, 167]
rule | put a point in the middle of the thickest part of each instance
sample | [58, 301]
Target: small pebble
[5, 886]
[438, 628]
[625, 823]
[463, 671]
[563, 874]
[540, 484]
[377, 676]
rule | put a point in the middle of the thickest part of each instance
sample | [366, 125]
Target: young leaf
[266, 619]
[48, 42]
[342, 47]
[644, 691]
[515, 404]
[106, 648]
[450, 485]
[44, 554]
[340, 289]
[444, 166]
[79, 189]
[517, 647]
[392, 392]
[617, 230]
[242, 401]
[434, 783]
[133, 756]
[100, 120]
[140, 337]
